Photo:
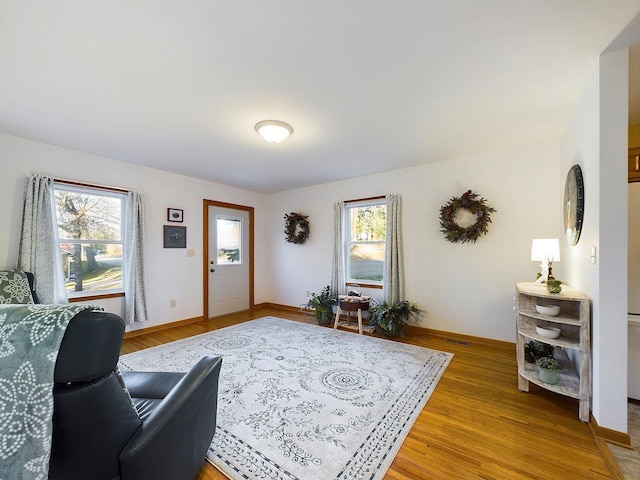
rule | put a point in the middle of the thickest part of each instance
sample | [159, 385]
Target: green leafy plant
[535, 349]
[390, 319]
[553, 285]
[548, 363]
[322, 303]
[323, 299]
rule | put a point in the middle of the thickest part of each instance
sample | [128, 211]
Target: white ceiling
[368, 86]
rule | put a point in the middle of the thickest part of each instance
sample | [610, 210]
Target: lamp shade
[273, 131]
[545, 249]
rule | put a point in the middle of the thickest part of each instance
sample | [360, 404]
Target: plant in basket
[322, 303]
[390, 319]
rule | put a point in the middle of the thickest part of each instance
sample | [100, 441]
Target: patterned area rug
[299, 401]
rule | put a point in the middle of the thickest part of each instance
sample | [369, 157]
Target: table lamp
[545, 251]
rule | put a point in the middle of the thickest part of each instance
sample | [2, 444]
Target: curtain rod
[365, 199]
[91, 185]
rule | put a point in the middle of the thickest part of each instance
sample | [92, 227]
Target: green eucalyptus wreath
[468, 201]
[296, 227]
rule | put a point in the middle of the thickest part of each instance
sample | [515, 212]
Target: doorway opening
[228, 249]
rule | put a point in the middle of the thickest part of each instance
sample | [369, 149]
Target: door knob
[212, 270]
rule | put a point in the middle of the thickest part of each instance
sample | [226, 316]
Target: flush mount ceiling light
[273, 131]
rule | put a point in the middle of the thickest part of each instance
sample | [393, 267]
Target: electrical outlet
[172, 303]
[191, 252]
[308, 293]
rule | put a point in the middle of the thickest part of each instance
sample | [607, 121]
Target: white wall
[170, 273]
[633, 261]
[464, 288]
[596, 139]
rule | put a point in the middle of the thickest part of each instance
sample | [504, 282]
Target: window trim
[100, 296]
[105, 191]
[233, 218]
[90, 185]
[346, 242]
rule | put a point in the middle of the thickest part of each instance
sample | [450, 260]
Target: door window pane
[229, 241]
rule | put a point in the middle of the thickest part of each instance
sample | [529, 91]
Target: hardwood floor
[475, 425]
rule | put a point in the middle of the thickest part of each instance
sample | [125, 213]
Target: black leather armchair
[161, 431]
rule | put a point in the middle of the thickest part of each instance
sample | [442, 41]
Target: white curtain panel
[134, 276]
[39, 248]
[393, 283]
[338, 280]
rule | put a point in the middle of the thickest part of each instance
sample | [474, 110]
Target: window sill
[363, 285]
[102, 296]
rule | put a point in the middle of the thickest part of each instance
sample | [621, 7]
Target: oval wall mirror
[573, 205]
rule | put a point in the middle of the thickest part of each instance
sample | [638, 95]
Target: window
[229, 240]
[365, 232]
[90, 225]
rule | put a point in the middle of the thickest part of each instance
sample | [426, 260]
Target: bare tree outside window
[90, 232]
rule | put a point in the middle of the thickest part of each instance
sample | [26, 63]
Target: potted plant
[535, 349]
[554, 286]
[548, 370]
[322, 303]
[389, 319]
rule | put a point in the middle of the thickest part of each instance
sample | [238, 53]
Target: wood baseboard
[460, 338]
[282, 307]
[609, 459]
[621, 439]
[178, 323]
[164, 326]
[603, 436]
[414, 330]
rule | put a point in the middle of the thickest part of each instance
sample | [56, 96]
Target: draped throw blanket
[30, 337]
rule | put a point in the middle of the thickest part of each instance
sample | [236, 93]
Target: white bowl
[548, 332]
[549, 310]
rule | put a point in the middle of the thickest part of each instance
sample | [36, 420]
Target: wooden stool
[351, 304]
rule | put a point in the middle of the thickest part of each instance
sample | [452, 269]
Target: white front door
[229, 260]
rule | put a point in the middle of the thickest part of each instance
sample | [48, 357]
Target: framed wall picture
[175, 237]
[174, 215]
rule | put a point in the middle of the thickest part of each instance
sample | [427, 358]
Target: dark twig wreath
[296, 227]
[468, 201]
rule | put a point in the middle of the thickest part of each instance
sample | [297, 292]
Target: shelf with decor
[572, 348]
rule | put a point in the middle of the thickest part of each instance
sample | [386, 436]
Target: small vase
[548, 376]
[554, 286]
